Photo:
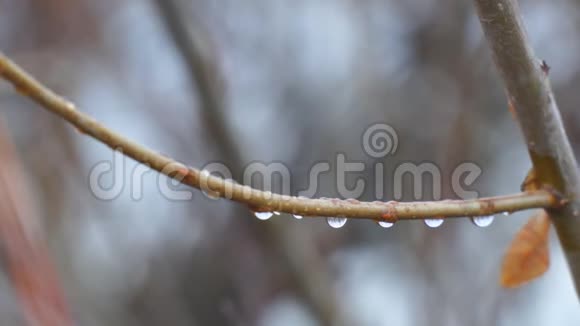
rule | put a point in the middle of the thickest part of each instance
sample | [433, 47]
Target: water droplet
[263, 215]
[70, 106]
[204, 173]
[482, 221]
[212, 194]
[506, 213]
[336, 222]
[434, 222]
[267, 195]
[298, 217]
[204, 179]
[385, 224]
[276, 213]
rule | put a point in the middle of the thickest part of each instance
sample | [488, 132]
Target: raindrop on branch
[434, 222]
[482, 221]
[385, 224]
[298, 217]
[212, 194]
[263, 215]
[336, 222]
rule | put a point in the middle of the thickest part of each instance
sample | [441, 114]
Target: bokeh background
[291, 81]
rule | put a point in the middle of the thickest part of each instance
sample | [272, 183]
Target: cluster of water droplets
[340, 221]
[267, 215]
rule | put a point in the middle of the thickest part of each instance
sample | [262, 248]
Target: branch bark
[262, 200]
[530, 94]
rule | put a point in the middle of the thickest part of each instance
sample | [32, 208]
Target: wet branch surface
[530, 94]
[263, 201]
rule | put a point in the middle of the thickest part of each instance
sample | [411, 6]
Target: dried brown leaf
[528, 255]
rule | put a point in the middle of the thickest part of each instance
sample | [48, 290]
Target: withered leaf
[528, 255]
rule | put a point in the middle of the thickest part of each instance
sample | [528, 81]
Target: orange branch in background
[27, 257]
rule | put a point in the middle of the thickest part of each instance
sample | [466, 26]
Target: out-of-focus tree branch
[27, 258]
[303, 264]
[530, 94]
[202, 62]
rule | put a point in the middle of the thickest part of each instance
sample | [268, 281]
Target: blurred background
[295, 82]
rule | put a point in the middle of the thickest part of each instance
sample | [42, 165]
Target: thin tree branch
[530, 94]
[200, 58]
[266, 201]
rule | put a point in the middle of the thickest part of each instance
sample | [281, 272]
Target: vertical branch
[529, 91]
[28, 261]
[195, 47]
[304, 265]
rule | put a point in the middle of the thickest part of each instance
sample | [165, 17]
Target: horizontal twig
[258, 200]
